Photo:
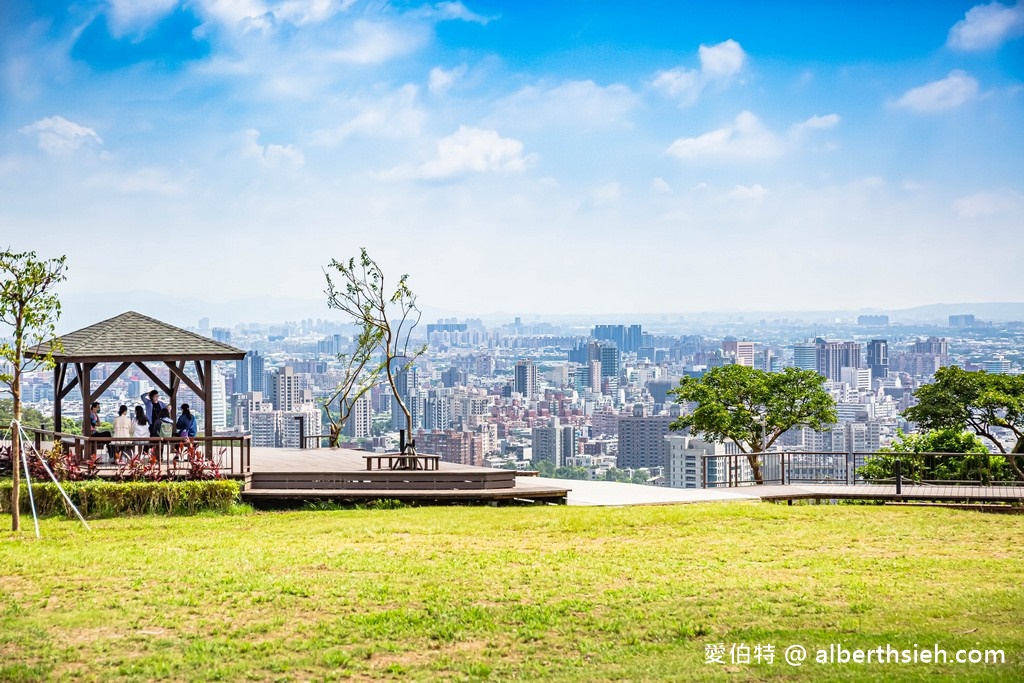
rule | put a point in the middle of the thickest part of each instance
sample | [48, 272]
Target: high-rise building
[878, 358]
[932, 345]
[962, 320]
[609, 357]
[526, 379]
[626, 339]
[437, 409]
[687, 460]
[218, 400]
[243, 406]
[805, 356]
[360, 418]
[996, 366]
[834, 356]
[405, 379]
[284, 392]
[741, 351]
[642, 440]
[547, 443]
[857, 378]
[249, 373]
[570, 442]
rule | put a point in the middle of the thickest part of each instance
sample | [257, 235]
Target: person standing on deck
[153, 405]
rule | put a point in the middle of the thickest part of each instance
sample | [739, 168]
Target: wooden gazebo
[134, 339]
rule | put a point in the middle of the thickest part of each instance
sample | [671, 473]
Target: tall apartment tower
[741, 351]
[834, 356]
[547, 443]
[218, 400]
[642, 440]
[526, 378]
[878, 358]
[405, 379]
[805, 356]
[360, 418]
[626, 339]
[249, 373]
[284, 390]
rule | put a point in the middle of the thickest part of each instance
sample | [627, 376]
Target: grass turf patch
[552, 593]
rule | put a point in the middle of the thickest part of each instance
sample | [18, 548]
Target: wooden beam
[199, 373]
[180, 376]
[112, 378]
[71, 385]
[152, 376]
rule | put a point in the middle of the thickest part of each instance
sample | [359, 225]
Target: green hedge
[96, 498]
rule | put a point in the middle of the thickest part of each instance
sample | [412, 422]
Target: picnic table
[403, 461]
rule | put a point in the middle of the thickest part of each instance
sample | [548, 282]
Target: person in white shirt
[122, 434]
[140, 429]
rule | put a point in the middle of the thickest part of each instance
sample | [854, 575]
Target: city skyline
[580, 159]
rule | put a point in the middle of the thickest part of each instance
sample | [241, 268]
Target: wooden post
[208, 407]
[58, 382]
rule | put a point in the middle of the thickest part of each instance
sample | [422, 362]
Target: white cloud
[147, 180]
[127, 16]
[456, 10]
[660, 186]
[952, 91]
[755, 193]
[982, 204]
[745, 139]
[377, 42]
[573, 104]
[723, 60]
[603, 195]
[57, 135]
[819, 122]
[441, 79]
[270, 155]
[394, 115]
[718, 63]
[263, 16]
[468, 150]
[987, 26]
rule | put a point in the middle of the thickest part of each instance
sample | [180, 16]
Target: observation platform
[314, 474]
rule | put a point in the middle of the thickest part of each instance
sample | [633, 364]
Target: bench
[397, 461]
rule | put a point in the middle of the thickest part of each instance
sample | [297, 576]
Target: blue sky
[211, 156]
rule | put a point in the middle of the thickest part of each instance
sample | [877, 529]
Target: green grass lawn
[549, 593]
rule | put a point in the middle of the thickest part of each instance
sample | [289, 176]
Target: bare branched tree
[383, 348]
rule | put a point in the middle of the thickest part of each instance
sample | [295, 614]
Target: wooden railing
[233, 454]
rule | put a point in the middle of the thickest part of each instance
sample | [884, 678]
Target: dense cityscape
[581, 402]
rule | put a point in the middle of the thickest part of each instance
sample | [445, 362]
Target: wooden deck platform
[284, 474]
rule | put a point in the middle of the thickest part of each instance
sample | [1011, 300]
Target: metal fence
[858, 468]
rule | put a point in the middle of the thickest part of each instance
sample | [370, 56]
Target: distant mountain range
[80, 311]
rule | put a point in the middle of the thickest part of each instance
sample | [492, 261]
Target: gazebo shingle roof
[132, 336]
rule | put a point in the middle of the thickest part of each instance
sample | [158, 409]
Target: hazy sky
[548, 157]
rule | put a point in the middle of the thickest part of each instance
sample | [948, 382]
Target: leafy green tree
[918, 455]
[641, 476]
[753, 408]
[975, 401]
[579, 473]
[545, 468]
[29, 306]
[386, 319]
[33, 418]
